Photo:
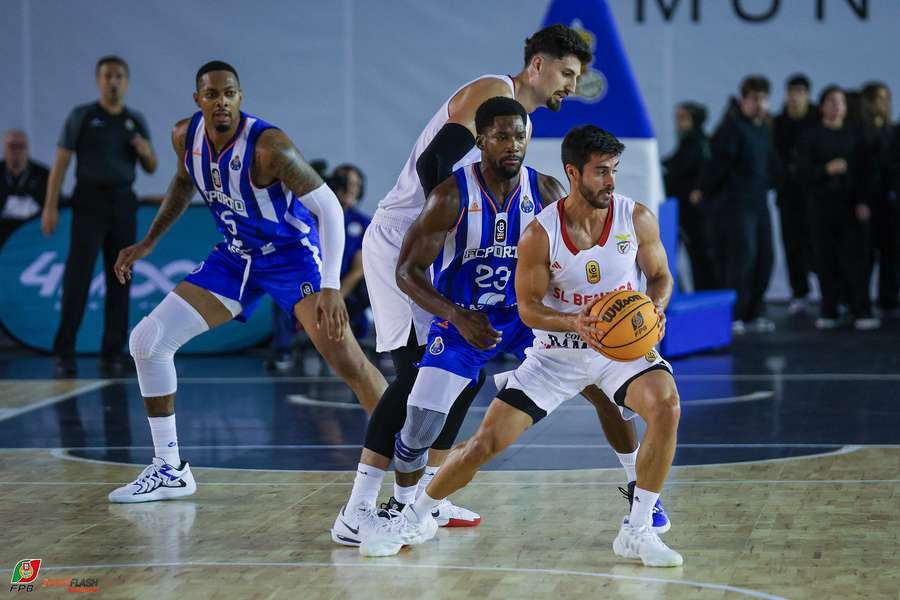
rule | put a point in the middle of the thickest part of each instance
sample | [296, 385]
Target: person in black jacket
[23, 184]
[798, 116]
[682, 178]
[739, 176]
[830, 162]
[876, 135]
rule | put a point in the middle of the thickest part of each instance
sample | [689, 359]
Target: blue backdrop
[31, 269]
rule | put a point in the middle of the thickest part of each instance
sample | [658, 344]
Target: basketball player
[262, 195]
[558, 253]
[469, 229]
[554, 57]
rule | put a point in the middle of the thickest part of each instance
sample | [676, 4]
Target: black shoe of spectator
[66, 367]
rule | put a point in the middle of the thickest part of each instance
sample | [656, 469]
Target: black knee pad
[457, 415]
[390, 413]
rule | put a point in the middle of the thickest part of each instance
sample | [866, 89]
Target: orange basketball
[633, 325]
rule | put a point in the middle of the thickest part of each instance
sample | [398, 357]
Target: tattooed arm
[177, 198]
[277, 159]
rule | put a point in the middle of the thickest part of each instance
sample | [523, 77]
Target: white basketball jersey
[407, 197]
[579, 276]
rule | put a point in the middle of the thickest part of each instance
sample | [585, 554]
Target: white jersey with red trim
[407, 197]
[577, 277]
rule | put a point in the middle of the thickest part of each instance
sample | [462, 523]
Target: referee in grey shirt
[108, 138]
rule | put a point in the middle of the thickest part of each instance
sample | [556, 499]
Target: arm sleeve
[435, 164]
[325, 206]
[68, 138]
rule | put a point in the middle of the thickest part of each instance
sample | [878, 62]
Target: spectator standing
[682, 170]
[738, 177]
[876, 134]
[830, 162]
[23, 184]
[108, 139]
[797, 116]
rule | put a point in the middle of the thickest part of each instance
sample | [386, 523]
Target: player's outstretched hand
[127, 257]
[477, 329]
[590, 328]
[331, 314]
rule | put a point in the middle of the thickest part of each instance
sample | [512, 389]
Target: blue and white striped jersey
[253, 220]
[476, 267]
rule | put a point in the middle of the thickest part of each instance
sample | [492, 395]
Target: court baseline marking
[63, 453]
[382, 565]
[303, 400]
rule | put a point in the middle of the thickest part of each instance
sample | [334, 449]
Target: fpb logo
[24, 575]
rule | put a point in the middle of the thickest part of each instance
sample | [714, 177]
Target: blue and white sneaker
[661, 522]
[159, 481]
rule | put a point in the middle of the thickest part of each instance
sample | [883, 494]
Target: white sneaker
[867, 324]
[738, 328]
[825, 323]
[798, 306]
[448, 514]
[406, 529]
[159, 481]
[761, 325]
[643, 543]
[352, 526]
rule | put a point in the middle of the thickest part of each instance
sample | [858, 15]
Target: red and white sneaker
[448, 514]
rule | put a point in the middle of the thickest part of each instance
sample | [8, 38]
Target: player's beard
[504, 172]
[596, 198]
[222, 127]
[554, 103]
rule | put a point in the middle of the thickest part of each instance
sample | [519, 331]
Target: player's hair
[558, 41]
[799, 80]
[754, 83]
[581, 142]
[498, 106]
[112, 59]
[216, 65]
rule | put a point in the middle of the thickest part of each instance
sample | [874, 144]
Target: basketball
[633, 325]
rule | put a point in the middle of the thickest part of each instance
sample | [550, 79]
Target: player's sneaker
[661, 523]
[406, 529]
[448, 514]
[353, 525]
[159, 481]
[643, 543]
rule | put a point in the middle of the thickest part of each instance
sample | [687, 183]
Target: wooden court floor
[817, 527]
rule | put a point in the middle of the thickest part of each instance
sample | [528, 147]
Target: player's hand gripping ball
[631, 322]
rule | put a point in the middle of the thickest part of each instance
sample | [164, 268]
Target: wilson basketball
[633, 325]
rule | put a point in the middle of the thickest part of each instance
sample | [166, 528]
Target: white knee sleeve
[155, 339]
[436, 389]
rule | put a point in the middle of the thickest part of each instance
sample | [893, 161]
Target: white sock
[165, 439]
[427, 476]
[629, 463]
[642, 506]
[366, 485]
[425, 504]
[405, 495]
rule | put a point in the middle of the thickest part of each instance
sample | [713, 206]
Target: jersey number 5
[225, 217]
